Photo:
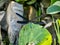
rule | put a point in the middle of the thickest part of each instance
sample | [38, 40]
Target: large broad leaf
[53, 9]
[12, 17]
[34, 34]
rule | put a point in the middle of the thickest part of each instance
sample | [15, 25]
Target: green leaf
[58, 20]
[53, 9]
[20, 0]
[53, 1]
[34, 34]
[31, 2]
[38, 13]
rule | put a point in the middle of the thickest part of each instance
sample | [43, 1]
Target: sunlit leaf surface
[34, 34]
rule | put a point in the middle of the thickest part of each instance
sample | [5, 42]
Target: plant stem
[56, 27]
[54, 23]
[54, 41]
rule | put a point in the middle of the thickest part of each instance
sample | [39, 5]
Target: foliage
[21, 0]
[54, 8]
[58, 29]
[28, 2]
[31, 2]
[53, 1]
[38, 13]
[34, 34]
